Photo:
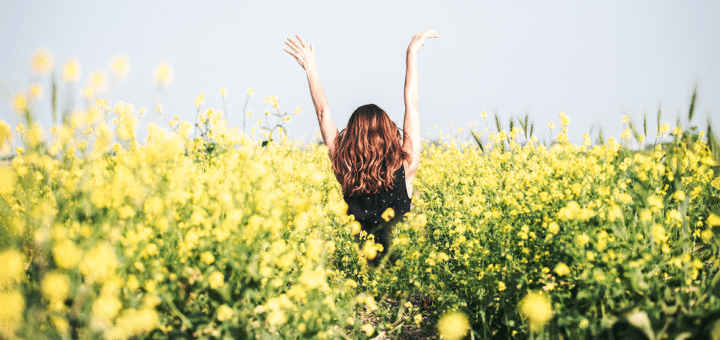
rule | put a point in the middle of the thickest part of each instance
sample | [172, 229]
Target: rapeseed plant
[229, 235]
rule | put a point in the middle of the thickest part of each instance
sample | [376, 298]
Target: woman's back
[369, 209]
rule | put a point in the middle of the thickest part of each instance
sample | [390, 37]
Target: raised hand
[419, 39]
[411, 125]
[304, 55]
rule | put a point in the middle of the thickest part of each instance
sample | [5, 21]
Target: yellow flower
[614, 213]
[163, 75]
[12, 262]
[625, 198]
[35, 91]
[664, 128]
[453, 325]
[200, 99]
[216, 280]
[98, 81]
[88, 92]
[223, 92]
[625, 120]
[626, 135]
[569, 212]
[564, 120]
[66, 254]
[590, 255]
[55, 287]
[370, 249]
[99, 264]
[388, 214]
[645, 215]
[553, 228]
[71, 71]
[313, 279]
[119, 66]
[658, 232]
[20, 102]
[707, 235]
[207, 257]
[713, 220]
[41, 62]
[369, 329]
[5, 132]
[225, 313]
[249, 91]
[276, 317]
[132, 282]
[655, 202]
[126, 126]
[562, 269]
[536, 308]
[442, 257]
[134, 322]
[582, 240]
[105, 308]
[7, 181]
[12, 306]
[355, 227]
[501, 286]
[369, 301]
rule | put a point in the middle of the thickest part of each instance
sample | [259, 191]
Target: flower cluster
[226, 236]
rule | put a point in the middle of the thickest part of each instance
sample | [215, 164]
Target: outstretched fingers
[293, 45]
[299, 49]
[290, 52]
[430, 34]
[419, 39]
[302, 42]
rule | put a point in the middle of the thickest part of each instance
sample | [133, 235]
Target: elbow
[411, 104]
[413, 166]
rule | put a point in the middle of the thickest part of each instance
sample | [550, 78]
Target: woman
[373, 167]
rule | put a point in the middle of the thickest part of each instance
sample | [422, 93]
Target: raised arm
[305, 56]
[411, 125]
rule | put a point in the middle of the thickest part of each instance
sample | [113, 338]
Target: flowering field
[226, 236]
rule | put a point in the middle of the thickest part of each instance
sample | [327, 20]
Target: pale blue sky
[594, 60]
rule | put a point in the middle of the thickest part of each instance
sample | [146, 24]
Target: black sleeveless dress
[368, 209]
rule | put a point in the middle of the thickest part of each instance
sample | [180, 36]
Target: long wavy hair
[368, 152]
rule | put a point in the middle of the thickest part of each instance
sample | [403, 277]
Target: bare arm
[411, 125]
[305, 56]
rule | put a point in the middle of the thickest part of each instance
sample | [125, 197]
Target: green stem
[186, 322]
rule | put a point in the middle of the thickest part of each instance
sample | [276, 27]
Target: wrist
[311, 69]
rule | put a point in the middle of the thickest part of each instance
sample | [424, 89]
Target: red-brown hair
[368, 152]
